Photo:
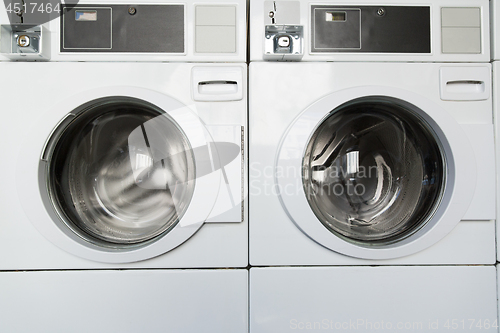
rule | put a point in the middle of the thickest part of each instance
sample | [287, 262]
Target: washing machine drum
[373, 171]
[118, 174]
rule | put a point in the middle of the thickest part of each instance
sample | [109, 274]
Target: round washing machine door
[126, 178]
[375, 173]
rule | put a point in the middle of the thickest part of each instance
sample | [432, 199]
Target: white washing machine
[129, 153]
[372, 146]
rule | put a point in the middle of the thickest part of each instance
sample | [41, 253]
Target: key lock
[23, 40]
[27, 41]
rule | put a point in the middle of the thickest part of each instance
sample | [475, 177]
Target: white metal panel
[371, 299]
[124, 301]
[239, 34]
[258, 17]
[228, 207]
[483, 203]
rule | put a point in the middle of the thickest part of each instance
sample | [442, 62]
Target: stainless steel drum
[374, 171]
[118, 173]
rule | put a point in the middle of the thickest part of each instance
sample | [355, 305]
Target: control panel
[123, 28]
[441, 30]
[387, 29]
[86, 30]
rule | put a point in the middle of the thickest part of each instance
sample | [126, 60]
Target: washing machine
[125, 130]
[371, 144]
[126, 154]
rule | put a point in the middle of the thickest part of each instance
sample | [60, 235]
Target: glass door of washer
[373, 171]
[120, 173]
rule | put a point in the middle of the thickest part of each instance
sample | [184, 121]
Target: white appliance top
[123, 31]
[368, 30]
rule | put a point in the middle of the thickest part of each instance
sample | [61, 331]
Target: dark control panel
[381, 29]
[123, 28]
